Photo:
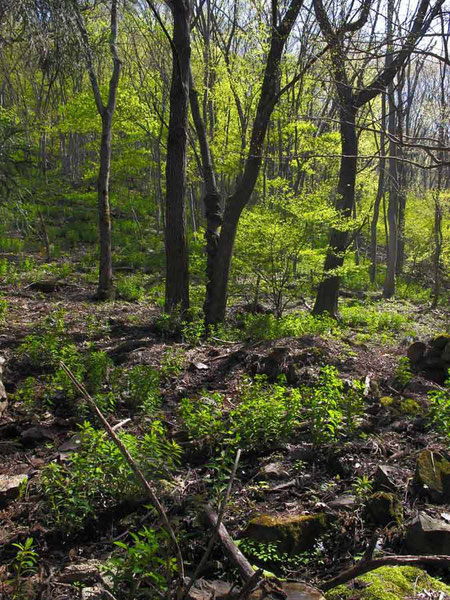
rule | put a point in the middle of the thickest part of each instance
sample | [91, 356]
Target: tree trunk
[389, 282]
[177, 266]
[379, 196]
[328, 292]
[105, 285]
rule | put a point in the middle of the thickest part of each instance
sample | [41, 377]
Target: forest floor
[287, 477]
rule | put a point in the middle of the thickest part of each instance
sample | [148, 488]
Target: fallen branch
[213, 537]
[133, 465]
[364, 566]
[245, 569]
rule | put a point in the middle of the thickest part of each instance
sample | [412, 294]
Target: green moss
[409, 406]
[386, 401]
[389, 583]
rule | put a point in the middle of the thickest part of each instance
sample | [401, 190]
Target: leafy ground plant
[97, 475]
[440, 409]
[142, 568]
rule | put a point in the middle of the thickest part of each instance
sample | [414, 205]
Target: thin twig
[215, 532]
[133, 465]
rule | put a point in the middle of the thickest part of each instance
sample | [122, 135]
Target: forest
[225, 299]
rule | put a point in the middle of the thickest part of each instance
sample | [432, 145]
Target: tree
[352, 95]
[221, 225]
[177, 266]
[106, 112]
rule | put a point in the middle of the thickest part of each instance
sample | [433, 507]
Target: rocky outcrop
[291, 533]
[384, 508]
[432, 359]
[427, 535]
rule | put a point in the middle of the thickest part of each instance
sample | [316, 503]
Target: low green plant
[130, 287]
[43, 346]
[203, 416]
[173, 362]
[143, 567]
[97, 365]
[440, 409]
[332, 408]
[266, 413]
[3, 309]
[26, 393]
[138, 387]
[24, 564]
[403, 372]
[97, 475]
[362, 486]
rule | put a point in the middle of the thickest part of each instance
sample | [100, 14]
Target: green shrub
[97, 476]
[130, 287]
[142, 566]
[440, 409]
[203, 416]
[138, 387]
[332, 408]
[268, 327]
[403, 373]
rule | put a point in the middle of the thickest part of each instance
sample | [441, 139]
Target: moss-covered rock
[292, 533]
[440, 341]
[384, 508]
[389, 583]
[432, 476]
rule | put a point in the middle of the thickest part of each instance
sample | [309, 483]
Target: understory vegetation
[224, 300]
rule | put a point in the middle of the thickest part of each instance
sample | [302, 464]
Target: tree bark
[328, 292]
[177, 265]
[379, 197]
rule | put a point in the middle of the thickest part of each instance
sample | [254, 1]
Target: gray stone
[344, 502]
[221, 590]
[428, 536]
[384, 477]
[92, 593]
[86, 572]
[10, 487]
[274, 471]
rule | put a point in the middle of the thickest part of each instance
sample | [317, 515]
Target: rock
[204, 590]
[416, 352]
[86, 572]
[440, 341]
[36, 435]
[432, 477]
[92, 593]
[383, 479]
[344, 502]
[391, 583]
[428, 536]
[10, 487]
[199, 366]
[384, 508]
[293, 591]
[292, 533]
[221, 590]
[446, 353]
[274, 471]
